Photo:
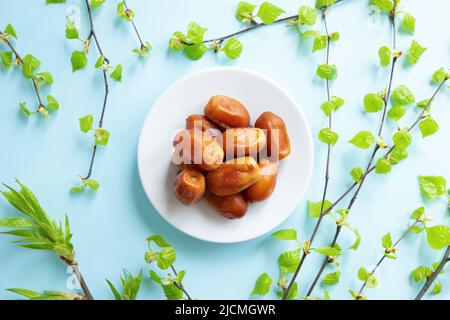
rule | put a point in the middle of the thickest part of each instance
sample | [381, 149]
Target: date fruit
[195, 147]
[233, 176]
[278, 142]
[227, 112]
[265, 186]
[233, 206]
[189, 186]
[240, 142]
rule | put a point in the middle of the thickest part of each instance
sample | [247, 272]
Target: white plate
[189, 96]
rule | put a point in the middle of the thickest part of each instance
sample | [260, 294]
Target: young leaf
[320, 42]
[195, 33]
[439, 76]
[101, 136]
[71, 30]
[438, 237]
[432, 187]
[30, 64]
[97, 3]
[314, 208]
[396, 113]
[384, 53]
[437, 287]
[44, 76]
[363, 139]
[331, 278]
[328, 251]
[421, 273]
[78, 60]
[289, 260]
[269, 12]
[245, 12]
[286, 234]
[328, 136]
[409, 22]
[372, 282]
[176, 41]
[307, 15]
[117, 73]
[357, 174]
[52, 104]
[195, 52]
[125, 14]
[93, 184]
[386, 241]
[415, 52]
[233, 48]
[363, 274]
[326, 71]
[6, 58]
[130, 286]
[402, 138]
[9, 30]
[86, 123]
[324, 3]
[402, 96]
[383, 166]
[373, 102]
[428, 126]
[384, 5]
[262, 285]
[25, 110]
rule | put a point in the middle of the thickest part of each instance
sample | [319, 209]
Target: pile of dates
[221, 157]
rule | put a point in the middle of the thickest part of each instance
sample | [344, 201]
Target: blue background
[110, 226]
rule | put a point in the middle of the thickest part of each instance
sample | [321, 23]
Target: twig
[76, 269]
[371, 159]
[180, 285]
[93, 34]
[384, 255]
[135, 28]
[327, 168]
[434, 275]
[20, 60]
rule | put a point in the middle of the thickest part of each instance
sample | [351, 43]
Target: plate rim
[237, 69]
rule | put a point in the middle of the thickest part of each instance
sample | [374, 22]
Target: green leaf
[52, 104]
[409, 22]
[314, 208]
[6, 58]
[233, 48]
[25, 110]
[195, 52]
[372, 282]
[245, 12]
[293, 292]
[332, 105]
[97, 3]
[384, 5]
[71, 30]
[54, 1]
[337, 102]
[396, 113]
[30, 64]
[100, 61]
[289, 260]
[373, 102]
[158, 240]
[418, 213]
[331, 278]
[421, 273]
[172, 292]
[78, 60]
[384, 53]
[428, 126]
[326, 71]
[155, 277]
[9, 30]
[320, 42]
[269, 12]
[116, 293]
[93, 184]
[386, 241]
[125, 14]
[86, 123]
[176, 41]
[307, 15]
[438, 237]
[328, 251]
[357, 242]
[195, 33]
[30, 294]
[402, 96]
[439, 76]
[16, 223]
[328, 136]
[415, 52]
[285, 234]
[262, 285]
[357, 174]
[363, 139]
[324, 3]
[101, 136]
[363, 274]
[397, 155]
[402, 138]
[432, 187]
[437, 288]
[166, 258]
[310, 33]
[144, 50]
[117, 73]
[383, 166]
[45, 76]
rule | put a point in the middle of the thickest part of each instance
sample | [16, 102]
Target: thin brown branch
[434, 275]
[180, 285]
[134, 27]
